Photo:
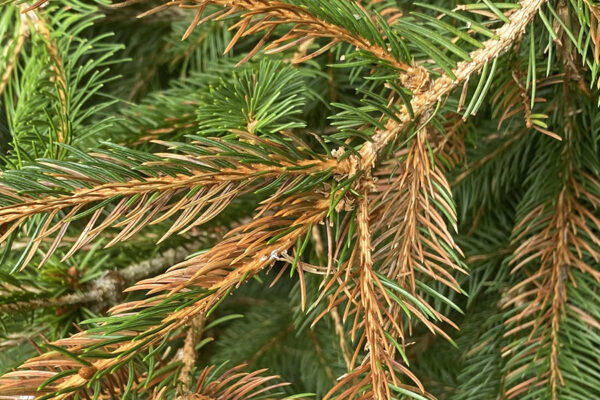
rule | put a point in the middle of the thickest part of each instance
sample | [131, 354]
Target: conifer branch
[558, 239]
[410, 201]
[413, 241]
[427, 94]
[380, 350]
[474, 166]
[411, 238]
[135, 205]
[246, 251]
[365, 203]
[147, 199]
[512, 98]
[306, 26]
[58, 74]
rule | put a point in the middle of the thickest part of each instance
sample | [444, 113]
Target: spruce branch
[380, 350]
[373, 321]
[134, 205]
[374, 184]
[201, 185]
[427, 94]
[512, 98]
[58, 73]
[410, 237]
[417, 201]
[54, 60]
[306, 27]
[557, 240]
[557, 252]
[246, 251]
[475, 165]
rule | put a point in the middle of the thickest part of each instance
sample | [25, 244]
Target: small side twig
[193, 336]
[108, 287]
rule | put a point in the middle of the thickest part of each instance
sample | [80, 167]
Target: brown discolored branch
[263, 16]
[550, 241]
[380, 350]
[234, 385]
[414, 202]
[136, 205]
[246, 251]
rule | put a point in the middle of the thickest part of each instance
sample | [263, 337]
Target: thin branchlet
[14, 47]
[380, 350]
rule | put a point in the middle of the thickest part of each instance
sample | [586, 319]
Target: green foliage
[56, 80]
[159, 173]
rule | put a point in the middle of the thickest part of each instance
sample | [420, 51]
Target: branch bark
[108, 287]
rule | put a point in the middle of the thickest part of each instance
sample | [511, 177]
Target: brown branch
[245, 252]
[513, 98]
[405, 207]
[137, 208]
[594, 28]
[551, 240]
[306, 27]
[541, 297]
[408, 227]
[234, 384]
[380, 350]
[374, 314]
[164, 183]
